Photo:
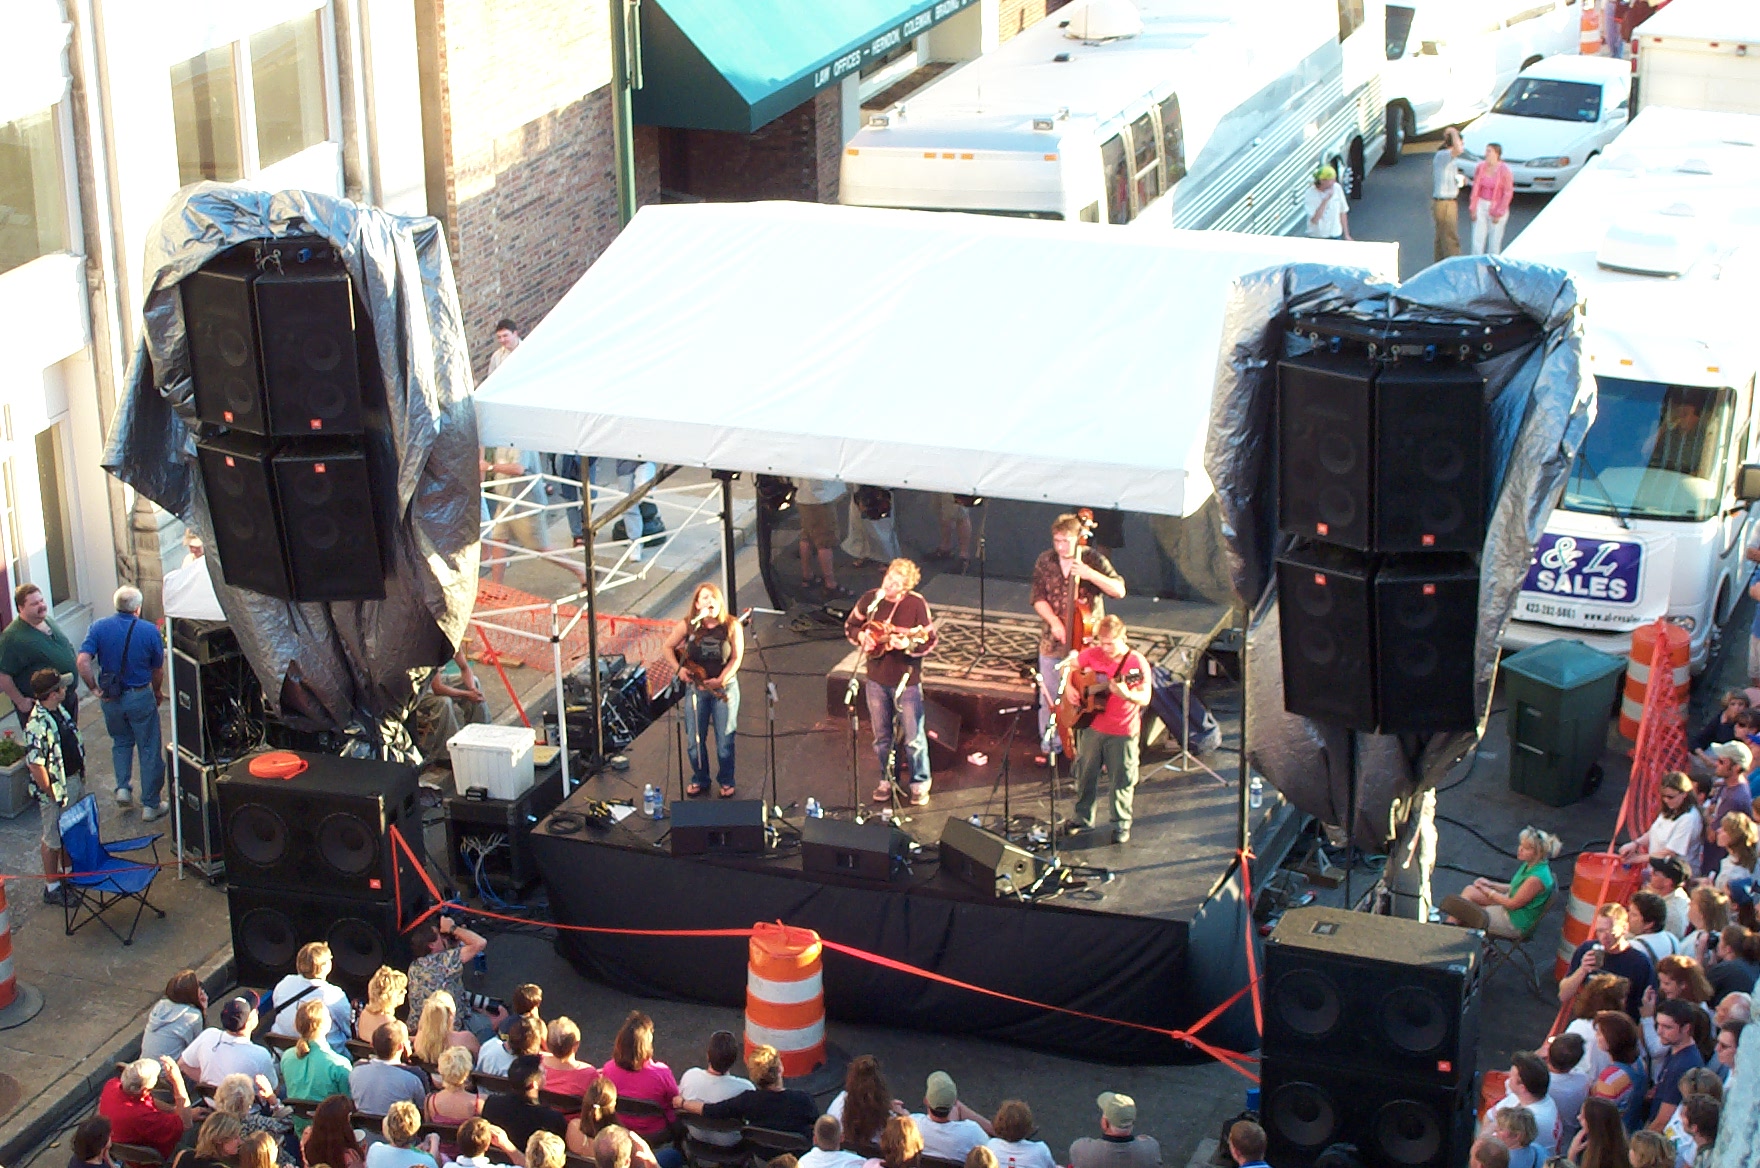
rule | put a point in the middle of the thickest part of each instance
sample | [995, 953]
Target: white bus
[1182, 113]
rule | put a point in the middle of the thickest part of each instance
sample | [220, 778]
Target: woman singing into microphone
[707, 649]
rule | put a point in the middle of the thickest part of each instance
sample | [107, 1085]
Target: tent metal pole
[727, 548]
[176, 770]
[561, 699]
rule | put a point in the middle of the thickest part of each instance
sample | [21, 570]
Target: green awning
[738, 64]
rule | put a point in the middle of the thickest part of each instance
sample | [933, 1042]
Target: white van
[1447, 61]
[1662, 237]
[1701, 54]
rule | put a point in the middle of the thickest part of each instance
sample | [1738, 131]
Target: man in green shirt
[32, 642]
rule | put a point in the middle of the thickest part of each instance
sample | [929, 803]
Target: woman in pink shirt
[636, 1075]
[1494, 185]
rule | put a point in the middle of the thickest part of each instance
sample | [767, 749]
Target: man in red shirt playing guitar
[1107, 689]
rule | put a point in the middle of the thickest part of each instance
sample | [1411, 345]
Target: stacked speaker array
[311, 859]
[1371, 1036]
[294, 447]
[1382, 479]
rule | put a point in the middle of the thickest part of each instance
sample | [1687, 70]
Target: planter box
[15, 790]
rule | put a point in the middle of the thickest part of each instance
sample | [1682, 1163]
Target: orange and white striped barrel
[1631, 705]
[785, 996]
[1589, 40]
[8, 978]
[1591, 870]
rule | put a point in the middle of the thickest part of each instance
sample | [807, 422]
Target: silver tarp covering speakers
[1540, 406]
[357, 664]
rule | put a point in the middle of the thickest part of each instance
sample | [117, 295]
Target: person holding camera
[1610, 951]
[443, 948]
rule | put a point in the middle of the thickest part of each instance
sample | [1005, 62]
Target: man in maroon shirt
[137, 1118]
[1110, 740]
[892, 626]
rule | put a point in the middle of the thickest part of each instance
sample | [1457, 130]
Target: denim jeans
[703, 711]
[133, 722]
[915, 762]
[1047, 696]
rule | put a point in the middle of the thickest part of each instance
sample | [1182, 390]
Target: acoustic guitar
[1085, 693]
[879, 634]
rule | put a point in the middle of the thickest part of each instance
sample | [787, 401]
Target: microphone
[770, 691]
[849, 695]
[745, 618]
[878, 597]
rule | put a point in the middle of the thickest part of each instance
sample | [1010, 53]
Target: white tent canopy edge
[940, 352]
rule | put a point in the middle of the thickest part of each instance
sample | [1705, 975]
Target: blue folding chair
[101, 880]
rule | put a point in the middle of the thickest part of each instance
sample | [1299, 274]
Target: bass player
[892, 626]
[1094, 578]
[707, 647]
[1110, 740]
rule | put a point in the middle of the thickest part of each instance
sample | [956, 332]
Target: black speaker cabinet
[1327, 635]
[268, 927]
[1430, 459]
[943, 727]
[305, 320]
[240, 487]
[198, 812]
[502, 828]
[1325, 449]
[329, 520]
[1426, 617]
[324, 830]
[838, 847]
[1306, 1105]
[986, 861]
[219, 705]
[710, 826]
[1381, 994]
[220, 317]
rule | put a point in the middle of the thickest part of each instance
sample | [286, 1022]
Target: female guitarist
[707, 649]
[1070, 582]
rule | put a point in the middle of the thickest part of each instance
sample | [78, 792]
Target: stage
[1135, 948]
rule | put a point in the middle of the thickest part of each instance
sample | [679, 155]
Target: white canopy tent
[1057, 362]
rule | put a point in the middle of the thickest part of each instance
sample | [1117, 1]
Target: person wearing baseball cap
[1668, 879]
[228, 1049]
[949, 1128]
[1730, 764]
[1119, 1146]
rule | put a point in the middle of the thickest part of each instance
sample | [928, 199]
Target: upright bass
[1078, 628]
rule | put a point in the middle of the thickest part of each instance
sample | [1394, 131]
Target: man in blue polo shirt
[130, 678]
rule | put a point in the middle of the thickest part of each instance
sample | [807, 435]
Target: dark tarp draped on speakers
[355, 664]
[1540, 404]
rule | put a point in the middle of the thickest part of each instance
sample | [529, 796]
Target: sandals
[696, 790]
[727, 791]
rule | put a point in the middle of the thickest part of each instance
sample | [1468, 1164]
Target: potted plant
[15, 777]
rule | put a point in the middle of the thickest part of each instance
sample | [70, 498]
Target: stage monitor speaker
[220, 319]
[329, 520]
[943, 727]
[240, 488]
[718, 826]
[324, 830]
[268, 927]
[1426, 618]
[1430, 458]
[1325, 449]
[986, 861]
[1307, 1105]
[1327, 635]
[305, 319]
[1383, 995]
[838, 847]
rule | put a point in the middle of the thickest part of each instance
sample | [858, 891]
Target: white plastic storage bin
[496, 758]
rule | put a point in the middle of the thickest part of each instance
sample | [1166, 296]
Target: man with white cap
[949, 1128]
[1118, 1146]
[1730, 764]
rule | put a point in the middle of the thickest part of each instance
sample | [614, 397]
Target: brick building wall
[1014, 16]
[794, 157]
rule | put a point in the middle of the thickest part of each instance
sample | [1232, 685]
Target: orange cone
[785, 996]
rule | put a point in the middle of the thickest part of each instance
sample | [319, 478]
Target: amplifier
[838, 847]
[502, 828]
[985, 860]
[718, 826]
[198, 813]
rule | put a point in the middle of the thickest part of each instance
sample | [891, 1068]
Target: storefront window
[204, 103]
[287, 80]
[33, 194]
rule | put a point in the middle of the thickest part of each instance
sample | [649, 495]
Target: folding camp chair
[100, 879]
[1501, 951]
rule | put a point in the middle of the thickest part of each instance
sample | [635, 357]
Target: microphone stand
[1058, 876]
[769, 705]
[855, 721]
[1003, 779]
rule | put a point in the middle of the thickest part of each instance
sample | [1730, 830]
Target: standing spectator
[56, 760]
[1624, 1081]
[1668, 879]
[1604, 991]
[565, 1074]
[1737, 965]
[524, 1038]
[1721, 728]
[518, 518]
[815, 499]
[507, 339]
[1246, 1144]
[1703, 1113]
[228, 1049]
[400, 1127]
[1601, 1143]
[1735, 838]
[1324, 205]
[1613, 17]
[1729, 1040]
[636, 1074]
[436, 1032]
[1609, 950]
[385, 1078]
[628, 474]
[1674, 1029]
[1707, 916]
[1650, 1150]
[1527, 1087]
[713, 1083]
[1679, 979]
[1488, 1152]
[828, 1150]
[1013, 1142]
[768, 1104]
[91, 1144]
[1517, 1130]
[130, 657]
[138, 1118]
[950, 1129]
[1445, 191]
[311, 1069]
[873, 531]
[444, 948]
[1494, 187]
[31, 642]
[1699, 1081]
[955, 513]
[517, 1110]
[1569, 1086]
[1648, 917]
[313, 964]
[176, 1018]
[331, 1139]
[1118, 1146]
[1730, 763]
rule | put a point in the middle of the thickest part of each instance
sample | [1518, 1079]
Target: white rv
[1662, 236]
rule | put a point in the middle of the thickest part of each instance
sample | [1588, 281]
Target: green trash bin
[1560, 696]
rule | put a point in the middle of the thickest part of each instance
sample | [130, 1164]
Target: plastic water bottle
[651, 801]
[976, 821]
[814, 811]
[1256, 793]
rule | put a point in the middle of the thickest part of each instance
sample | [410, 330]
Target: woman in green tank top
[1510, 910]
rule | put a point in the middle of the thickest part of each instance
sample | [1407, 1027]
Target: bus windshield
[1655, 451]
[1399, 30]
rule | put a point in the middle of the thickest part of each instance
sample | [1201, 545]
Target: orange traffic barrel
[785, 996]
[1589, 40]
[1491, 1088]
[1631, 704]
[1592, 869]
[8, 978]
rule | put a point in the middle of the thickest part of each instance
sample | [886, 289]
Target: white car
[1555, 116]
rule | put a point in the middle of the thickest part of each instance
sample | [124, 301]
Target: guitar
[876, 636]
[1085, 693]
[1079, 618]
